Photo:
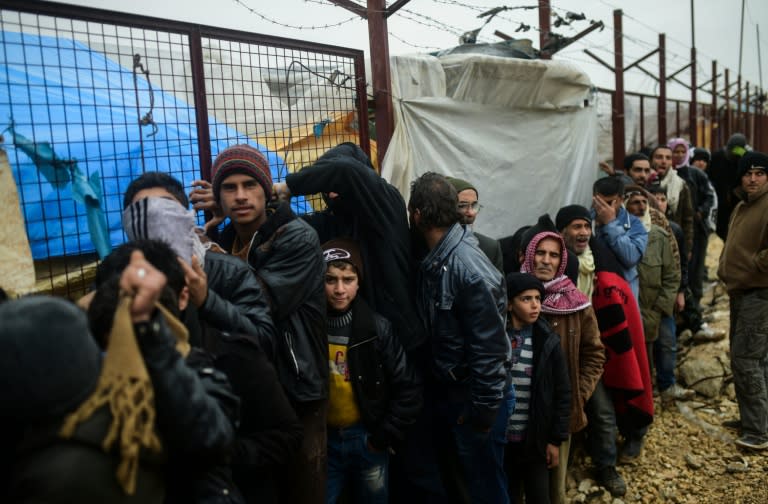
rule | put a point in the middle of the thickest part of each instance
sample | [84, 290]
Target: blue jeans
[351, 462]
[601, 429]
[665, 353]
[472, 462]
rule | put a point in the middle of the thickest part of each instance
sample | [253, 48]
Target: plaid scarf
[561, 295]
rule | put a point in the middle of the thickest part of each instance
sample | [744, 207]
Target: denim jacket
[462, 299]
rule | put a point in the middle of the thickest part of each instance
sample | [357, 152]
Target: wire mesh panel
[91, 99]
[294, 103]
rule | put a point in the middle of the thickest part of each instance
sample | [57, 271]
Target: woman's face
[678, 154]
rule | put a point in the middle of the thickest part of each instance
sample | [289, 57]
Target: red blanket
[626, 371]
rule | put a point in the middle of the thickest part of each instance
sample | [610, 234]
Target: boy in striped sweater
[543, 392]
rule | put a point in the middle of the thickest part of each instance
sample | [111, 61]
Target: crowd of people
[380, 351]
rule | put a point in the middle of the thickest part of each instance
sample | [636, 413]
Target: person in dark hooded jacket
[367, 208]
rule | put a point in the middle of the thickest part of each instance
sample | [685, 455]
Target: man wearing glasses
[469, 207]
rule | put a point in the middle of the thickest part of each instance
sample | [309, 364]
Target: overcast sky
[426, 25]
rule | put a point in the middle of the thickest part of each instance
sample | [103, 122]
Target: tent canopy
[522, 131]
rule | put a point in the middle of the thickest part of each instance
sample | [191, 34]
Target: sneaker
[608, 478]
[677, 393]
[753, 442]
[706, 333]
[732, 424]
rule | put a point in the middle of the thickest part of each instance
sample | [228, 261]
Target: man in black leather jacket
[462, 299]
[284, 253]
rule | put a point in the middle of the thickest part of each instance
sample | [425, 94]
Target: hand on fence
[281, 192]
[607, 168]
[202, 199]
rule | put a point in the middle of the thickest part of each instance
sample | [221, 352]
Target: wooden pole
[618, 95]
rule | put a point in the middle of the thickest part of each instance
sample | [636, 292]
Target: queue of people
[377, 350]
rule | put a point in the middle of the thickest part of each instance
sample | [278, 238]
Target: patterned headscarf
[562, 297]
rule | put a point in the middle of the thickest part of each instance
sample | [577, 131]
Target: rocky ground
[688, 456]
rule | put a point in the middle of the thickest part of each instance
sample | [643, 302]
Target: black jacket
[550, 407]
[194, 407]
[385, 387]
[462, 298]
[285, 256]
[269, 432]
[235, 302]
[702, 195]
[724, 174]
[492, 249]
[373, 212]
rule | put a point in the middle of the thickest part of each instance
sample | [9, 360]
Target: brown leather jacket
[585, 354]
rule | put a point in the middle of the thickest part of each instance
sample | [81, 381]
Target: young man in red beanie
[285, 254]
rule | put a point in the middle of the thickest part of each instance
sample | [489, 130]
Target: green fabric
[461, 185]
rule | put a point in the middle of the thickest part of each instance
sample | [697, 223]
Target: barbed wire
[411, 44]
[294, 27]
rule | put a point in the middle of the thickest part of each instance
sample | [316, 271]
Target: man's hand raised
[197, 280]
[604, 212]
[202, 198]
[145, 283]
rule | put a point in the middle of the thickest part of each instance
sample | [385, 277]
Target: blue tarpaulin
[83, 105]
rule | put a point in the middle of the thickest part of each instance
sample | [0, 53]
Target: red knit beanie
[241, 159]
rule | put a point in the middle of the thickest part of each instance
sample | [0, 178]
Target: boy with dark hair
[540, 377]
[373, 393]
[156, 180]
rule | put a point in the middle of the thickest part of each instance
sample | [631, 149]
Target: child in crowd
[543, 391]
[374, 395]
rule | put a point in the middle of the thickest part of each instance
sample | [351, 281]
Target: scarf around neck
[586, 279]
[561, 295]
[674, 184]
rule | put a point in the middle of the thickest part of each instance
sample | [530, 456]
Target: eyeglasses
[476, 206]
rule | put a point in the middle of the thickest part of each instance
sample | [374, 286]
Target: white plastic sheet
[518, 130]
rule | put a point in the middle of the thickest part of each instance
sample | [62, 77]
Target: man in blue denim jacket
[462, 301]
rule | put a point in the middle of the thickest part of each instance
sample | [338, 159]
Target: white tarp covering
[517, 129]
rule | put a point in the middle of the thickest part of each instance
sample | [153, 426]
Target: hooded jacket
[372, 212]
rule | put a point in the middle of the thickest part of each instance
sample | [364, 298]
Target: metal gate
[90, 99]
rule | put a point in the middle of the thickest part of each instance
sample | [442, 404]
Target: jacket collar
[440, 254]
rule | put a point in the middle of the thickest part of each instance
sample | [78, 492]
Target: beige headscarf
[674, 184]
[586, 279]
[125, 387]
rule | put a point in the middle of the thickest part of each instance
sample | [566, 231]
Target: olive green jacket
[659, 281]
